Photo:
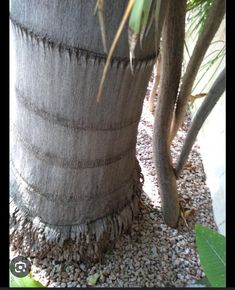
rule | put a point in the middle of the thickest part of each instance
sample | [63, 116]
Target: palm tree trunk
[75, 179]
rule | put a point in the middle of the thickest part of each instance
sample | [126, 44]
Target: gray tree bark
[172, 56]
[75, 180]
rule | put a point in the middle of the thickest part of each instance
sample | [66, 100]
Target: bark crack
[73, 125]
[33, 189]
[56, 160]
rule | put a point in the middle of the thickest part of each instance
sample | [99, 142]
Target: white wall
[212, 135]
[212, 144]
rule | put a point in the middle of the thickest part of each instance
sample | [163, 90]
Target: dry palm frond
[192, 98]
[116, 38]
[100, 7]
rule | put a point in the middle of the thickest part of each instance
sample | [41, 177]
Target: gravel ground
[151, 254]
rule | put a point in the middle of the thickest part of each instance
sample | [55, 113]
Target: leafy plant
[199, 10]
[212, 253]
[26, 282]
[197, 13]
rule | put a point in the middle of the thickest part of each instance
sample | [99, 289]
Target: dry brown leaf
[189, 212]
[189, 166]
[186, 212]
[183, 218]
[192, 98]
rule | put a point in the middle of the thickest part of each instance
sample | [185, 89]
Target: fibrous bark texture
[200, 117]
[172, 54]
[212, 24]
[75, 180]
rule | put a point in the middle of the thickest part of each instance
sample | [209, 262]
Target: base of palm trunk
[33, 238]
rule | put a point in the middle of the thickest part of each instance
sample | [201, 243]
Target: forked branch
[200, 117]
[211, 26]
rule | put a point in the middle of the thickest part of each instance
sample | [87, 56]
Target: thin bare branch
[212, 24]
[200, 117]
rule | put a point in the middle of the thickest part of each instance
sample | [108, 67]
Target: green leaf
[146, 9]
[136, 16]
[92, 279]
[137, 24]
[212, 252]
[197, 16]
[26, 282]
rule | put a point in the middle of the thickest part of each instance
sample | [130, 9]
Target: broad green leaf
[212, 252]
[146, 9]
[26, 282]
[136, 16]
[92, 279]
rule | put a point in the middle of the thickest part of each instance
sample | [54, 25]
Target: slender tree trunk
[211, 26]
[203, 112]
[75, 180]
[162, 5]
[172, 55]
[161, 8]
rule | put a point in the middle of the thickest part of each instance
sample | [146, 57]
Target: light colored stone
[154, 255]
[82, 267]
